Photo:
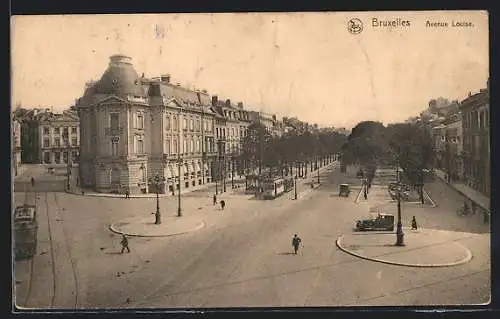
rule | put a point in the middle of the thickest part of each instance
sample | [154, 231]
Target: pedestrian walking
[414, 223]
[215, 199]
[222, 204]
[365, 194]
[32, 182]
[127, 194]
[296, 243]
[124, 243]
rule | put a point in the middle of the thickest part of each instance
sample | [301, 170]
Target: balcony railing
[111, 131]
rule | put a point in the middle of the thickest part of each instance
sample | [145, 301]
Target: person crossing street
[296, 243]
[124, 243]
[414, 223]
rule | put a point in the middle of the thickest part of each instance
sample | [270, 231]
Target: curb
[338, 242]
[433, 203]
[359, 195]
[461, 193]
[426, 195]
[113, 229]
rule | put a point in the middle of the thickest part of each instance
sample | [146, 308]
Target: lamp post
[318, 174]
[179, 210]
[157, 181]
[295, 183]
[399, 229]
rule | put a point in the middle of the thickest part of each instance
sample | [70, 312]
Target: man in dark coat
[413, 223]
[124, 243]
[296, 243]
[222, 204]
[215, 199]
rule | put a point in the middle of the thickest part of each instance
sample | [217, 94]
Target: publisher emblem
[355, 26]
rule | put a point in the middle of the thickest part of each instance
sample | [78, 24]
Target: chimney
[228, 103]
[215, 99]
[165, 78]
[240, 105]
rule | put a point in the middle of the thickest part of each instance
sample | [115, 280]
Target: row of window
[188, 124]
[221, 132]
[477, 119]
[57, 130]
[190, 146]
[236, 115]
[57, 142]
[55, 157]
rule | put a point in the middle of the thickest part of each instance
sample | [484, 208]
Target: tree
[367, 144]
[254, 146]
[412, 148]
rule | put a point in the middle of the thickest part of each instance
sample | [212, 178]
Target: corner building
[133, 129]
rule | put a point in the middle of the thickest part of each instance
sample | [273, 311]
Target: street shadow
[285, 253]
[113, 253]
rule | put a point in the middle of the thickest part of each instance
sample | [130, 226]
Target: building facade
[48, 138]
[16, 146]
[439, 138]
[58, 138]
[232, 125]
[476, 141]
[134, 129]
[263, 118]
[453, 149]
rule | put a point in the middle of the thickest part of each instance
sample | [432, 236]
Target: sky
[290, 64]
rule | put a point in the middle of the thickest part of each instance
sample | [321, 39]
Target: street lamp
[157, 181]
[295, 179]
[399, 229]
[179, 211]
[318, 174]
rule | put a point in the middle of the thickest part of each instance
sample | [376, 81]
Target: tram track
[70, 257]
[52, 254]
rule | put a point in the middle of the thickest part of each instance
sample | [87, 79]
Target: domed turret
[120, 78]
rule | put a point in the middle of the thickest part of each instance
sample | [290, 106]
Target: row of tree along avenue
[408, 146]
[294, 153]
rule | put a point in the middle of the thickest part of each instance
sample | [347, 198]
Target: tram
[25, 232]
[25, 228]
[273, 188]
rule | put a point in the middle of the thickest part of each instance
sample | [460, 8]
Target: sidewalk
[75, 190]
[424, 247]
[170, 226]
[471, 194]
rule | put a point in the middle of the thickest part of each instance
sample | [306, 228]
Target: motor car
[373, 222]
[344, 190]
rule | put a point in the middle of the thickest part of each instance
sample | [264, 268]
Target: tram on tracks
[25, 228]
[273, 188]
